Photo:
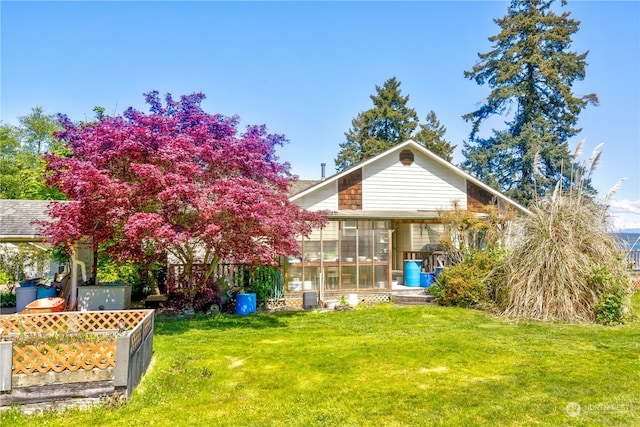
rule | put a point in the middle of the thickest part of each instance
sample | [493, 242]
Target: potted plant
[343, 304]
[329, 256]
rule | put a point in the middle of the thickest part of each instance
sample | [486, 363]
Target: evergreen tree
[388, 123]
[431, 135]
[531, 71]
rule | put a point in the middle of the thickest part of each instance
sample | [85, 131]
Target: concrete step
[416, 299]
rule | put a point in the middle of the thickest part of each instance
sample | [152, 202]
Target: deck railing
[633, 259]
[430, 260]
[231, 272]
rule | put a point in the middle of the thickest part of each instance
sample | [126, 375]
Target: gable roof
[414, 145]
[299, 185]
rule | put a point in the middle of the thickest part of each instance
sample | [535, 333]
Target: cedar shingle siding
[350, 191]
[477, 198]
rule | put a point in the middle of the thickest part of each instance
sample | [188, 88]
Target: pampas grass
[549, 269]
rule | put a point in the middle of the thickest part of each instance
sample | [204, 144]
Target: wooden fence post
[121, 374]
[6, 360]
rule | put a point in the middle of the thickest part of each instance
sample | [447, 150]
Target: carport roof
[17, 217]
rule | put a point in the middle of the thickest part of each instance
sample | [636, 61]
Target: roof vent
[406, 157]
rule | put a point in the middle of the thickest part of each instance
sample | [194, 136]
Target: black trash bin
[309, 300]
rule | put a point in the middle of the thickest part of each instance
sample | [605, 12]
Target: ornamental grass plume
[563, 264]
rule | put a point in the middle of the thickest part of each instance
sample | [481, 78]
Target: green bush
[610, 310]
[4, 277]
[8, 298]
[110, 270]
[265, 282]
[469, 283]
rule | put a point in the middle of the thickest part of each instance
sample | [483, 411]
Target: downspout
[75, 262]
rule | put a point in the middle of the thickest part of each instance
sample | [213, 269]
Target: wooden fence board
[56, 392]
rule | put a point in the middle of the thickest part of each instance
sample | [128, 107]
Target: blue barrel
[426, 280]
[245, 303]
[46, 291]
[439, 270]
[28, 283]
[412, 272]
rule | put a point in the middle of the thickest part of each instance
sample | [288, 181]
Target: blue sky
[306, 69]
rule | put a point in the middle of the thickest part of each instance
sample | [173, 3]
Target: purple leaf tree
[177, 180]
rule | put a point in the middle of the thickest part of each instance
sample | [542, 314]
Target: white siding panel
[424, 185]
[426, 236]
[324, 198]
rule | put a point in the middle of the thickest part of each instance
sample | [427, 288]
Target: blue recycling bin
[426, 280]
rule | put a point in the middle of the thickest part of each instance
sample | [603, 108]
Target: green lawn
[378, 366]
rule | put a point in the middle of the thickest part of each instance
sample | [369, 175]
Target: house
[383, 211]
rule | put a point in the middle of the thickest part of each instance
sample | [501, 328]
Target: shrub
[610, 310]
[110, 270]
[4, 277]
[465, 232]
[144, 279]
[266, 282]
[114, 271]
[470, 283]
[198, 293]
[8, 299]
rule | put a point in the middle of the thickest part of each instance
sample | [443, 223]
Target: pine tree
[431, 135]
[388, 123]
[531, 72]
